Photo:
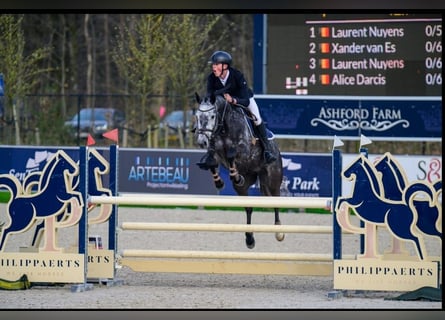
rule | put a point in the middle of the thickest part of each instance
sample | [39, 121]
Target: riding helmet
[221, 57]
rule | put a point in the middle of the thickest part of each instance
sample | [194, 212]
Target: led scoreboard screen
[354, 55]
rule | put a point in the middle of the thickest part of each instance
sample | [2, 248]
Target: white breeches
[253, 108]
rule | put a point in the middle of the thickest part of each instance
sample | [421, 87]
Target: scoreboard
[353, 54]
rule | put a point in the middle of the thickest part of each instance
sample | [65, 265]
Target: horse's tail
[11, 183]
[428, 212]
[418, 187]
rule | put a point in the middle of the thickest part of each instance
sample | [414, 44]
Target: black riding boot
[208, 160]
[268, 154]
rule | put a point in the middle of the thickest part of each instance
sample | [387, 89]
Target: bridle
[219, 123]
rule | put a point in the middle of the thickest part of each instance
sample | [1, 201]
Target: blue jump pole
[114, 178]
[363, 151]
[83, 189]
[83, 223]
[336, 193]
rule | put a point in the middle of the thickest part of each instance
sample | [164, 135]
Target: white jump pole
[215, 201]
[213, 261]
[191, 254]
[160, 226]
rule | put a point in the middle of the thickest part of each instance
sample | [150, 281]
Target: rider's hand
[229, 98]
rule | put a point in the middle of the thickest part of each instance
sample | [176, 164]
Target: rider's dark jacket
[236, 86]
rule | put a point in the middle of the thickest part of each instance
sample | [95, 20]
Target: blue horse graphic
[370, 205]
[395, 182]
[97, 167]
[54, 194]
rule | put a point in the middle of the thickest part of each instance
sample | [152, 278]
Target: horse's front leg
[237, 179]
[235, 176]
[250, 240]
[219, 183]
[340, 202]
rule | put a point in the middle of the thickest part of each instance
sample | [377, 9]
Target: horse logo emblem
[54, 194]
[381, 196]
[50, 198]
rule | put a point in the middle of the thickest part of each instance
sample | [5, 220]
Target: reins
[219, 127]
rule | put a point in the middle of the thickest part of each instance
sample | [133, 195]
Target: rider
[232, 84]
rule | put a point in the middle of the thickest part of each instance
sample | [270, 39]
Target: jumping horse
[238, 150]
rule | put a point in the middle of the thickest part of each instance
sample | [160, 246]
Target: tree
[187, 53]
[20, 71]
[137, 52]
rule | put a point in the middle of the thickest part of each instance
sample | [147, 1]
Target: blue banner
[176, 172]
[304, 175]
[163, 171]
[21, 161]
[349, 117]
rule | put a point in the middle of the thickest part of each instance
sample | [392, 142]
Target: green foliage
[159, 53]
[154, 49]
[20, 71]
[187, 53]
[157, 59]
[137, 51]
[188, 49]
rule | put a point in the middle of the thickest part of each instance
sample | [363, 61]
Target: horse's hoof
[250, 240]
[240, 181]
[250, 245]
[279, 236]
[219, 184]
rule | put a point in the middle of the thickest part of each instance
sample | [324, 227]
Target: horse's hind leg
[279, 235]
[271, 187]
[250, 240]
[402, 229]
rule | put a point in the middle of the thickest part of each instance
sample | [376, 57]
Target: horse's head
[354, 168]
[97, 163]
[67, 164]
[362, 171]
[206, 120]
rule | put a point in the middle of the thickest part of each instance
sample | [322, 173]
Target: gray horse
[238, 150]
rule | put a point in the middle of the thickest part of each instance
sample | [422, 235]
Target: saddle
[248, 118]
